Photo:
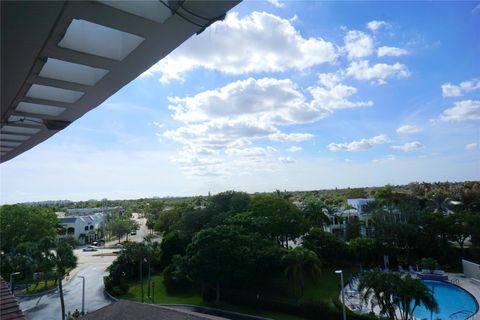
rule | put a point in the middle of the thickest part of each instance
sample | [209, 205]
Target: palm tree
[314, 211]
[392, 292]
[64, 258]
[300, 262]
[411, 293]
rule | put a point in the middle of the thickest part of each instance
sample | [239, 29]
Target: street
[93, 268]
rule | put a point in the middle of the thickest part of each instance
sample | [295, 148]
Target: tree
[363, 250]
[301, 263]
[391, 292]
[63, 259]
[121, 226]
[276, 217]
[218, 256]
[326, 245]
[314, 212]
[25, 224]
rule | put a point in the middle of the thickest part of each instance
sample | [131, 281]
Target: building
[85, 228]
[355, 209]
[9, 309]
[359, 205]
[91, 211]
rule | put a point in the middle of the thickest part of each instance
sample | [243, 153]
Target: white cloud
[294, 149]
[375, 25]
[408, 129]
[358, 44]
[286, 160]
[409, 146]
[248, 152]
[360, 145]
[259, 42]
[462, 111]
[276, 3]
[290, 137]
[331, 98]
[472, 146]
[450, 90]
[385, 159]
[391, 52]
[361, 70]
[156, 124]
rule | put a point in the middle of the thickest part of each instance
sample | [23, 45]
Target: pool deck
[471, 285]
[355, 303]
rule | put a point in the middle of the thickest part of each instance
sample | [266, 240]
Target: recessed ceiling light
[53, 93]
[15, 137]
[10, 143]
[42, 109]
[92, 38]
[22, 130]
[151, 10]
[72, 72]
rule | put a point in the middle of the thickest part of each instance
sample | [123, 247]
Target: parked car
[133, 233]
[90, 248]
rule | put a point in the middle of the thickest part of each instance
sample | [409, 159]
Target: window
[86, 228]
[91, 227]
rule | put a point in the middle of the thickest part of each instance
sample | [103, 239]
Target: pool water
[454, 302]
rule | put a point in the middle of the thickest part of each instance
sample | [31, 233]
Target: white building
[84, 229]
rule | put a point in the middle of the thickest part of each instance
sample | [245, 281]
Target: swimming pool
[454, 302]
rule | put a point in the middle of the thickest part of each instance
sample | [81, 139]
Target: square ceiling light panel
[152, 10]
[71, 72]
[21, 130]
[10, 143]
[41, 109]
[27, 120]
[14, 137]
[53, 93]
[92, 38]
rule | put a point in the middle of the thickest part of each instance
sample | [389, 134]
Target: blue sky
[281, 95]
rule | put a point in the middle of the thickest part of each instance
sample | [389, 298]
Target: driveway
[93, 268]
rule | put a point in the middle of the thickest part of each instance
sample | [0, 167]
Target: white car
[90, 248]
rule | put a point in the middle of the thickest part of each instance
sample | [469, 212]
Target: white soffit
[26, 120]
[151, 10]
[22, 130]
[13, 137]
[41, 109]
[10, 144]
[72, 72]
[92, 38]
[53, 93]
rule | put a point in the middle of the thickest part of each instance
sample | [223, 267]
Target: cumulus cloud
[276, 3]
[358, 44]
[335, 97]
[286, 160]
[294, 149]
[391, 52]
[450, 90]
[360, 145]
[462, 111]
[361, 70]
[408, 129]
[259, 42]
[409, 146]
[290, 137]
[472, 146]
[375, 25]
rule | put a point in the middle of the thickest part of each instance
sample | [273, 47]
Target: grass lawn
[41, 286]
[328, 286]
[193, 297]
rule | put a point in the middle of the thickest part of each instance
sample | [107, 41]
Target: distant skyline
[280, 95]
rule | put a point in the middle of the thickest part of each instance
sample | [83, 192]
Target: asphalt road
[92, 267]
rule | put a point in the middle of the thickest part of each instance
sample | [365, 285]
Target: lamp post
[343, 293]
[11, 279]
[83, 294]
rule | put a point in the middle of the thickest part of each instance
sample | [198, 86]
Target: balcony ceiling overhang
[61, 59]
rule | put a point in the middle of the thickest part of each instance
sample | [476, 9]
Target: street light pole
[343, 293]
[11, 279]
[83, 294]
[141, 277]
